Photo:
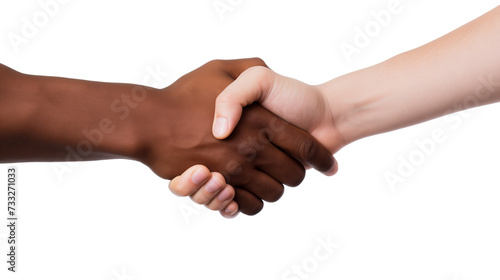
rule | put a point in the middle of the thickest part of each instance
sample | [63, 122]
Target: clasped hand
[263, 153]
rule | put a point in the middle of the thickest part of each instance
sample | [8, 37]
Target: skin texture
[458, 71]
[57, 119]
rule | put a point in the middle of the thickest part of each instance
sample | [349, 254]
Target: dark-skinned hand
[263, 153]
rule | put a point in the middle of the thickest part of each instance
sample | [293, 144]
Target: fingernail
[224, 195]
[199, 176]
[230, 215]
[221, 126]
[212, 186]
[231, 212]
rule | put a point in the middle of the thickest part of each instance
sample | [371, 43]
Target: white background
[116, 220]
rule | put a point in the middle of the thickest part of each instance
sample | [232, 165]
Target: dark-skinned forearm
[59, 119]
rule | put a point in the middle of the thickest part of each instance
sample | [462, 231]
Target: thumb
[253, 85]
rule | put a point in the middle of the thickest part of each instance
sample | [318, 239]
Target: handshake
[207, 136]
[249, 165]
[169, 130]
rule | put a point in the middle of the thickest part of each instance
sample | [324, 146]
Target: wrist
[355, 102]
[129, 122]
[151, 122]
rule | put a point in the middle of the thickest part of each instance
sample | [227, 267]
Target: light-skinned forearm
[457, 71]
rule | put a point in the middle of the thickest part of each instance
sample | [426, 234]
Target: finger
[190, 181]
[261, 185]
[252, 85]
[222, 200]
[280, 166]
[300, 144]
[248, 203]
[230, 211]
[331, 172]
[210, 189]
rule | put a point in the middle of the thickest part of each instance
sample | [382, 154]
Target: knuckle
[234, 170]
[258, 61]
[219, 178]
[258, 72]
[186, 190]
[214, 62]
[183, 192]
[224, 98]
[213, 207]
[242, 181]
[307, 149]
[176, 189]
[247, 149]
[199, 200]
[231, 191]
